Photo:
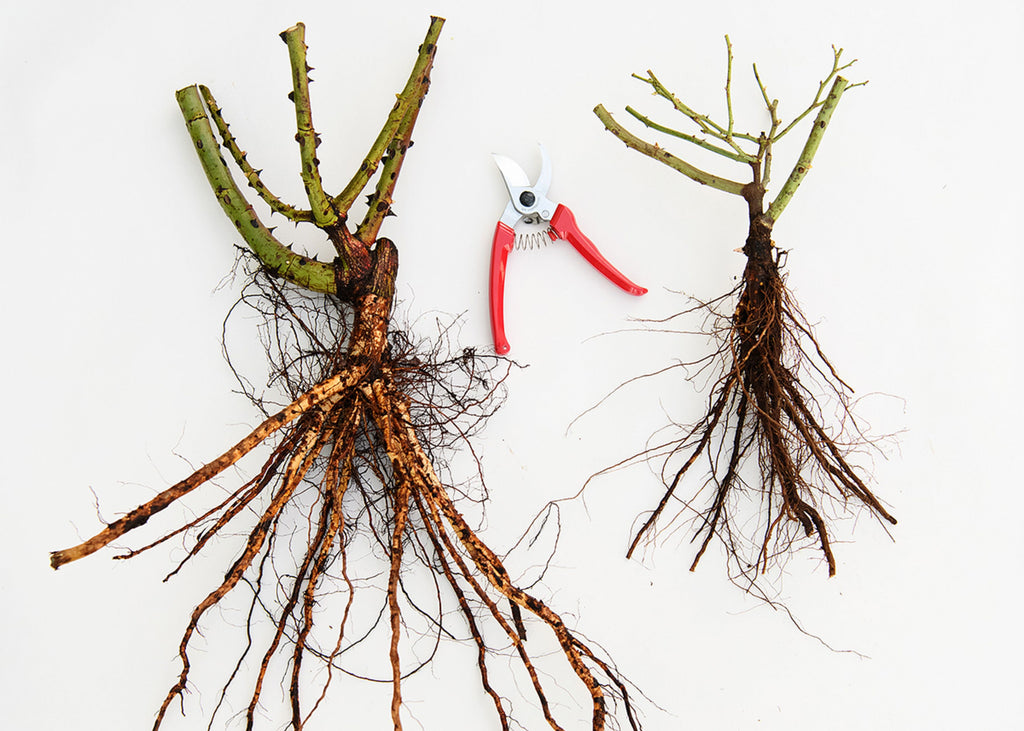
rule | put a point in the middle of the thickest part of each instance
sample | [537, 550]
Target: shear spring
[532, 239]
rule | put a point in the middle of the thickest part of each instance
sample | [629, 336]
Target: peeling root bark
[362, 402]
[140, 515]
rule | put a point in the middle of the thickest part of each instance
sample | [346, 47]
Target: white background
[905, 250]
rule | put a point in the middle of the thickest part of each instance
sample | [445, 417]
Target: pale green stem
[803, 164]
[657, 153]
[251, 174]
[765, 148]
[323, 212]
[415, 90]
[276, 257]
[344, 200]
[765, 154]
[836, 69]
[379, 202]
[706, 124]
[738, 157]
[396, 125]
[764, 92]
[728, 84]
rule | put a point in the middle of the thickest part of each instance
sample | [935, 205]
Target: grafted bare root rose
[353, 459]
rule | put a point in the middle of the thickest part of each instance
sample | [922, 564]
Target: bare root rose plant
[765, 404]
[353, 456]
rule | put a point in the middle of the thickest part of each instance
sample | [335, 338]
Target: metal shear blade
[525, 199]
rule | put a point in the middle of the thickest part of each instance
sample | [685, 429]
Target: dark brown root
[356, 460]
[760, 408]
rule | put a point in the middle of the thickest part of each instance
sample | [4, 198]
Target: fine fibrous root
[352, 459]
[762, 404]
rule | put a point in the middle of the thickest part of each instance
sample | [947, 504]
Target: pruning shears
[530, 204]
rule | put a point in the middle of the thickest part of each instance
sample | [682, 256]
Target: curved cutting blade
[527, 199]
[514, 176]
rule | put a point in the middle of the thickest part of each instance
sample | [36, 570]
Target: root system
[348, 453]
[763, 407]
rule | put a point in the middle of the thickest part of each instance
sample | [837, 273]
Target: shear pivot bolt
[527, 198]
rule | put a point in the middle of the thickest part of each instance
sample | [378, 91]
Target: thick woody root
[353, 440]
[760, 408]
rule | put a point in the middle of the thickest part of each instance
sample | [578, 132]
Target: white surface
[905, 249]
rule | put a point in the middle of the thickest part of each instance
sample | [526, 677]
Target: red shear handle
[563, 223]
[504, 240]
